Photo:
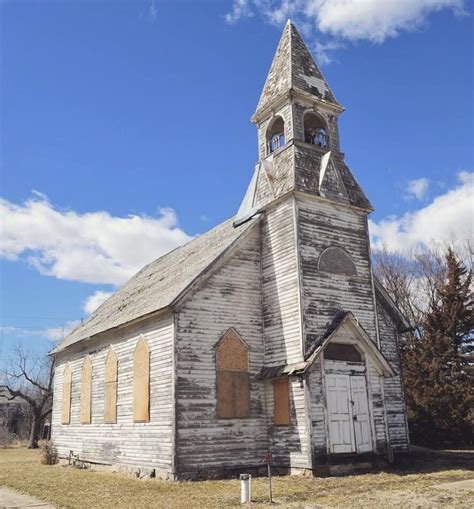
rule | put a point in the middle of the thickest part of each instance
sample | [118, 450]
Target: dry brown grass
[408, 486]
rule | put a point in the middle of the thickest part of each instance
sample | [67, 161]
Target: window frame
[277, 421]
[141, 380]
[235, 374]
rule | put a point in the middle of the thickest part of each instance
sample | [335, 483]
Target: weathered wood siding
[321, 225]
[280, 286]
[147, 444]
[393, 387]
[290, 444]
[230, 297]
[317, 398]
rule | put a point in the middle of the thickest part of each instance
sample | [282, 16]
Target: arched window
[66, 402]
[86, 391]
[111, 377]
[233, 381]
[276, 134]
[141, 382]
[315, 130]
[337, 261]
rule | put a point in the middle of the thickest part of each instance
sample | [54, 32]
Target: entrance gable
[345, 329]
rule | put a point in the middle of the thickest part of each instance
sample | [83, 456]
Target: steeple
[294, 69]
[298, 135]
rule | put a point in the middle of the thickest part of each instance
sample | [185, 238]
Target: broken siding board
[231, 297]
[131, 444]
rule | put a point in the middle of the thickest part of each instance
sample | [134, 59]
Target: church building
[267, 333]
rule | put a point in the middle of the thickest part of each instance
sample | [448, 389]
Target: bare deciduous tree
[31, 379]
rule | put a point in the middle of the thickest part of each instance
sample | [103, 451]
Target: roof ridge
[157, 285]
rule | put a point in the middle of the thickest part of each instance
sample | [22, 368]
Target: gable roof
[383, 297]
[342, 317]
[293, 67]
[160, 283]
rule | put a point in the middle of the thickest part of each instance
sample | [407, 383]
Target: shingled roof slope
[159, 283]
[293, 67]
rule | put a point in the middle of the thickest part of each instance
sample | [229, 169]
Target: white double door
[348, 413]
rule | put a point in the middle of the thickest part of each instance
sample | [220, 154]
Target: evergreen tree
[437, 371]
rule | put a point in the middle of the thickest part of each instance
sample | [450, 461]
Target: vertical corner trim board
[141, 382]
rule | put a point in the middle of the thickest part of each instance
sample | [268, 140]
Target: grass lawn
[408, 486]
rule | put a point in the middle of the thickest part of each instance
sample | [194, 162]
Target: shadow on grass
[424, 460]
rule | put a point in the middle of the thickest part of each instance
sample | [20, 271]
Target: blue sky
[125, 131]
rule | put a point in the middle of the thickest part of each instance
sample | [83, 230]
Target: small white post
[245, 488]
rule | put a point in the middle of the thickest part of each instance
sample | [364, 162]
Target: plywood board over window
[233, 379]
[111, 379]
[66, 402]
[281, 401]
[86, 391]
[141, 382]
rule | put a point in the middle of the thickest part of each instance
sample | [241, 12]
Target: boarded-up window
[66, 403]
[111, 378]
[86, 391]
[141, 382]
[233, 380]
[281, 402]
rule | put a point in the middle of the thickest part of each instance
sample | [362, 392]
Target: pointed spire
[293, 67]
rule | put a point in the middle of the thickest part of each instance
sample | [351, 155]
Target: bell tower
[315, 241]
[298, 135]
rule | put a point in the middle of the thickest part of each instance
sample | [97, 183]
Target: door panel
[360, 412]
[341, 430]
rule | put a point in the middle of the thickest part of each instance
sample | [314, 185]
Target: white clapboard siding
[376, 406]
[125, 442]
[317, 398]
[321, 225]
[393, 387]
[281, 300]
[230, 297]
[290, 444]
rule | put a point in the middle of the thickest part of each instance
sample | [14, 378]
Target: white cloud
[418, 188]
[373, 20]
[448, 219]
[94, 247]
[240, 9]
[153, 11]
[95, 300]
[52, 333]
